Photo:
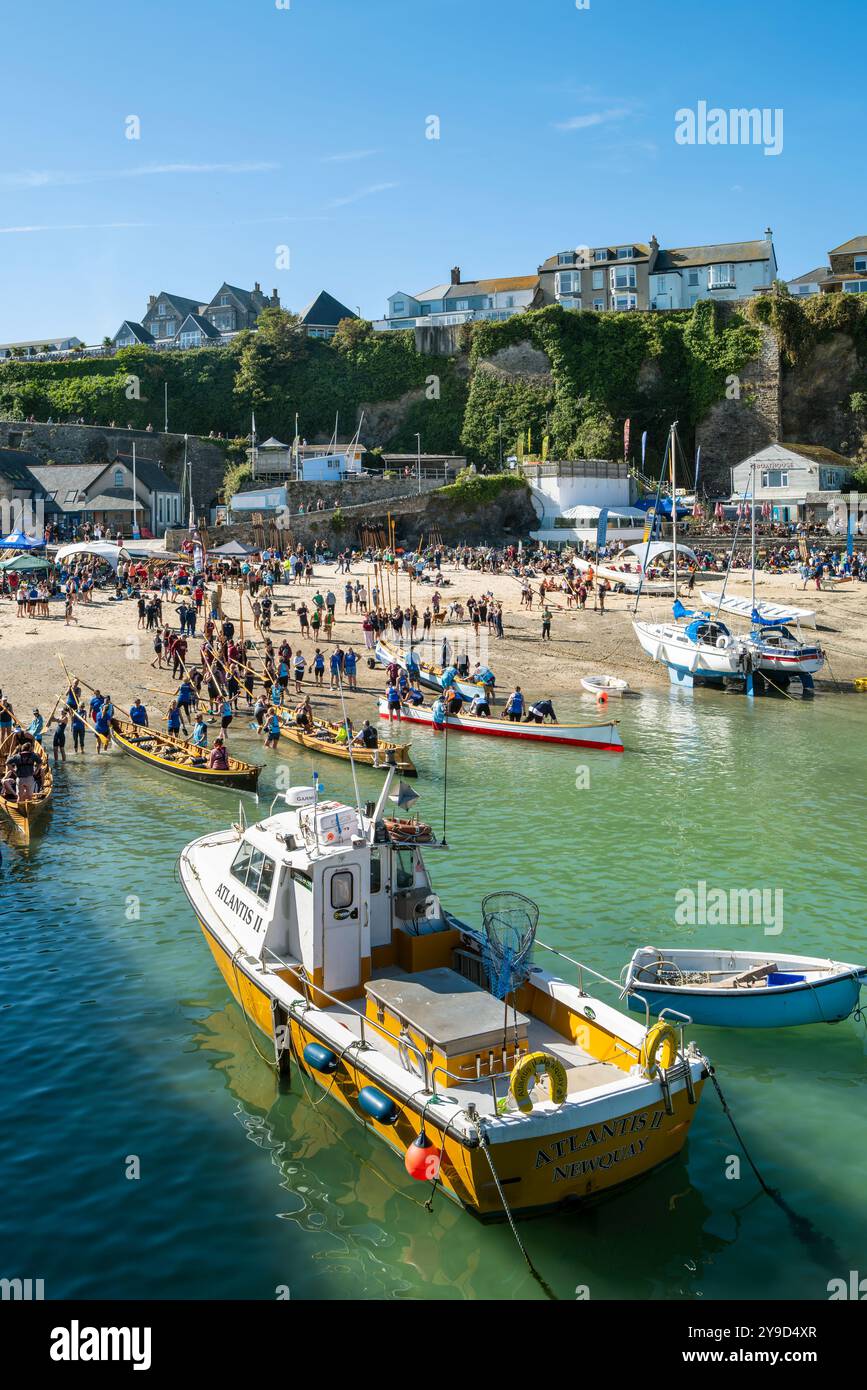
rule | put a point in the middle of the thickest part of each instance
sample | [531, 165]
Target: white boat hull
[668, 644]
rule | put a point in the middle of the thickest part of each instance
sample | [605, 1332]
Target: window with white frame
[118, 477]
[462, 304]
[601, 254]
[399, 306]
[625, 301]
[599, 305]
[662, 285]
[224, 299]
[855, 286]
[623, 277]
[693, 278]
[721, 276]
[161, 309]
[775, 477]
[861, 264]
[569, 301]
[625, 253]
[598, 279]
[568, 282]
[565, 257]
[510, 301]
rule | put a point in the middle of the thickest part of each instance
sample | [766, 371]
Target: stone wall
[98, 444]
[358, 492]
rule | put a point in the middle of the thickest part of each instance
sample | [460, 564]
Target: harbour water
[120, 1042]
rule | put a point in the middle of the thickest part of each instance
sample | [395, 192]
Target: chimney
[152, 299]
[654, 244]
[769, 236]
[456, 275]
[257, 288]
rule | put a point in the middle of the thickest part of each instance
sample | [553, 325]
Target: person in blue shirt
[392, 696]
[438, 711]
[138, 714]
[448, 677]
[94, 704]
[78, 729]
[276, 694]
[200, 733]
[102, 725]
[318, 666]
[515, 705]
[336, 667]
[272, 730]
[36, 726]
[350, 666]
[186, 698]
[173, 722]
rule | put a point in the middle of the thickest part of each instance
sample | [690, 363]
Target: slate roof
[325, 311]
[641, 249]
[138, 330]
[857, 243]
[17, 468]
[204, 325]
[63, 478]
[812, 277]
[149, 472]
[680, 257]
[179, 302]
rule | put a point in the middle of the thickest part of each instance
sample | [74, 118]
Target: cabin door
[380, 897]
[342, 927]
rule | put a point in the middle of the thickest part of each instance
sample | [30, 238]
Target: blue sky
[305, 127]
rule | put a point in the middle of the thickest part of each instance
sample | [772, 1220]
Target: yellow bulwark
[180, 757]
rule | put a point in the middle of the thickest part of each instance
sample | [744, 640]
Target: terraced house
[846, 272]
[643, 275]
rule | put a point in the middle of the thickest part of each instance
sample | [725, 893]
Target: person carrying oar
[102, 725]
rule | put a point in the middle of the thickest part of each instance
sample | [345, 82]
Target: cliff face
[816, 393]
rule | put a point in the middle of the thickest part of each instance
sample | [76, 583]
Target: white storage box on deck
[334, 823]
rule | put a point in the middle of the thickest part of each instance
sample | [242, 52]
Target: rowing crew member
[480, 705]
[438, 710]
[37, 724]
[515, 705]
[138, 714]
[102, 724]
[272, 730]
[539, 712]
[219, 759]
[367, 736]
[200, 732]
[304, 714]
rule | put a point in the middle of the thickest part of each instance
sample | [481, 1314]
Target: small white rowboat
[743, 989]
[604, 685]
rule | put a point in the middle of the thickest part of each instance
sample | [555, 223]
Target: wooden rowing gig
[384, 756]
[181, 758]
[25, 815]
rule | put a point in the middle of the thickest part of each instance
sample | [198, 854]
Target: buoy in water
[422, 1160]
[602, 697]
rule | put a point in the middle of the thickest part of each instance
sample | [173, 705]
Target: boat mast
[753, 533]
[672, 451]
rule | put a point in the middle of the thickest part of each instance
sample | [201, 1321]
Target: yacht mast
[672, 452]
[753, 532]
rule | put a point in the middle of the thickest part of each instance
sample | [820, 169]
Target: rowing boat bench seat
[747, 979]
[462, 1031]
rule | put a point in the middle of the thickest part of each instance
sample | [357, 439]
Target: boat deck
[583, 1071]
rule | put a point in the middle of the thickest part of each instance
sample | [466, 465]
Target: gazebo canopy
[25, 563]
[101, 550]
[233, 548]
[19, 540]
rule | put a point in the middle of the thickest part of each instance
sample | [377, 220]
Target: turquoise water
[118, 1036]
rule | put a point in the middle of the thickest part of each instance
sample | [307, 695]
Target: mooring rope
[484, 1144]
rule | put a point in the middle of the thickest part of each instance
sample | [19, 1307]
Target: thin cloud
[73, 227]
[349, 156]
[362, 193]
[64, 178]
[594, 118]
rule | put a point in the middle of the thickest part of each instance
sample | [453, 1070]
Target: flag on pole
[697, 465]
[626, 439]
[643, 448]
[404, 796]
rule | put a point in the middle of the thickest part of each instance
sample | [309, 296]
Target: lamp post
[418, 464]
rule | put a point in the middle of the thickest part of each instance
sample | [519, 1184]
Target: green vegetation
[471, 490]
[801, 325]
[605, 368]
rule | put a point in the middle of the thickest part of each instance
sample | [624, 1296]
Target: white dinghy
[604, 685]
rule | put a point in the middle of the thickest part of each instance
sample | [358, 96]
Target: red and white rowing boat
[605, 737]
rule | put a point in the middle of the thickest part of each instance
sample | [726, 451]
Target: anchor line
[484, 1144]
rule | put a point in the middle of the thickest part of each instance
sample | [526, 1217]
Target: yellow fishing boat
[513, 1087]
[180, 757]
[26, 814]
[324, 739]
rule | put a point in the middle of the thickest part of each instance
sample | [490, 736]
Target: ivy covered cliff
[551, 380]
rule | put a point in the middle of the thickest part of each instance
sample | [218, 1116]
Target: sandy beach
[107, 650]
